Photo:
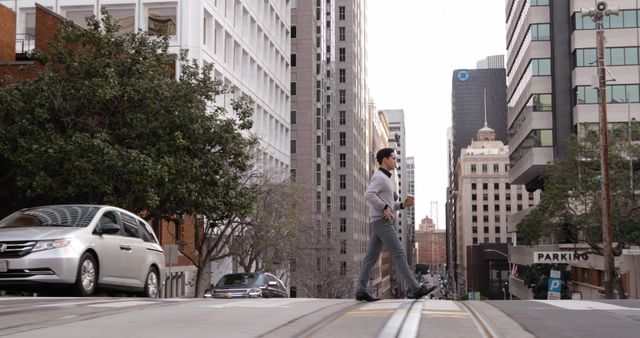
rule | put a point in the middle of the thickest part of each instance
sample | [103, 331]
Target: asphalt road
[139, 317]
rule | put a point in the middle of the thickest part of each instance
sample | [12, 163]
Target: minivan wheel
[152, 284]
[87, 278]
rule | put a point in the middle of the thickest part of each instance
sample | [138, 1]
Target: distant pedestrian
[382, 208]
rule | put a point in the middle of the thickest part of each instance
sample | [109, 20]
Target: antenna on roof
[485, 108]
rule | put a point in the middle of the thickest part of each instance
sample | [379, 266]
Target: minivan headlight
[47, 245]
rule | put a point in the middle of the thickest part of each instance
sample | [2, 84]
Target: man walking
[382, 209]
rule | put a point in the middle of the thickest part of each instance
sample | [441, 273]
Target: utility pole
[597, 15]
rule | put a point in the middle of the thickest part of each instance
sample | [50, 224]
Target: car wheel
[152, 284]
[87, 278]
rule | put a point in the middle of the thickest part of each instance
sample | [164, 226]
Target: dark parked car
[248, 285]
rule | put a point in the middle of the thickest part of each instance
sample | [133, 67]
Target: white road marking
[584, 305]
[390, 304]
[441, 305]
[412, 321]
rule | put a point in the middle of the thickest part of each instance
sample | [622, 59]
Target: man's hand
[409, 201]
[388, 214]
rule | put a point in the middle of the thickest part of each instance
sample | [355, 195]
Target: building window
[540, 67]
[342, 54]
[474, 230]
[293, 88]
[496, 207]
[343, 246]
[540, 32]
[486, 239]
[485, 229]
[485, 197]
[484, 168]
[343, 96]
[485, 218]
[508, 207]
[343, 139]
[343, 160]
[343, 75]
[162, 20]
[343, 268]
[125, 18]
[341, 33]
[343, 225]
[485, 186]
[508, 197]
[496, 197]
[497, 230]
[475, 240]
[496, 168]
[519, 197]
[473, 186]
[343, 117]
[294, 32]
[497, 219]
[474, 219]
[328, 180]
[474, 197]
[341, 12]
[293, 146]
[485, 207]
[474, 207]
[496, 186]
[293, 60]
[473, 168]
[328, 203]
[318, 201]
[293, 117]
[343, 203]
[343, 181]
[519, 207]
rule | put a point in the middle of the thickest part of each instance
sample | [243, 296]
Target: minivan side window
[129, 225]
[108, 217]
[144, 232]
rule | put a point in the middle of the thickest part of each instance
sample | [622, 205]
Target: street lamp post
[509, 264]
[597, 15]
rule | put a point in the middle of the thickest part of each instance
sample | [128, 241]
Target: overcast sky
[414, 46]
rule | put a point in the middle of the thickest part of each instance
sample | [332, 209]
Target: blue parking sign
[554, 285]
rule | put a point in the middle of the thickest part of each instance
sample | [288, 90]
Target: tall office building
[313, 146]
[352, 157]
[551, 60]
[409, 168]
[397, 140]
[467, 116]
[330, 136]
[247, 41]
[493, 61]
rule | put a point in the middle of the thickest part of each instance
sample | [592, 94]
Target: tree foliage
[105, 121]
[570, 205]
[536, 278]
[268, 236]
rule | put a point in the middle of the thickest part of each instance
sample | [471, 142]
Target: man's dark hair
[384, 153]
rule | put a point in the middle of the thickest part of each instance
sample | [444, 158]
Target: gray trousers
[383, 233]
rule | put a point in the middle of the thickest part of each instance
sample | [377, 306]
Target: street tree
[268, 237]
[106, 121]
[570, 205]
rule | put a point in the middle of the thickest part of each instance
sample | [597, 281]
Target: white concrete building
[485, 198]
[248, 41]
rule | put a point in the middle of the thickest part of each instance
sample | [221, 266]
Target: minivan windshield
[50, 216]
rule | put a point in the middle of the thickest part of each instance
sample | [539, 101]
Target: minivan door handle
[125, 248]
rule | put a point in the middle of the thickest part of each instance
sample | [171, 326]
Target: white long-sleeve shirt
[379, 194]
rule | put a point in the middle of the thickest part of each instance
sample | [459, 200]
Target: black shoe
[366, 297]
[423, 291]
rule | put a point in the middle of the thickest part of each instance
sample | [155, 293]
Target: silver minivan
[85, 247]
